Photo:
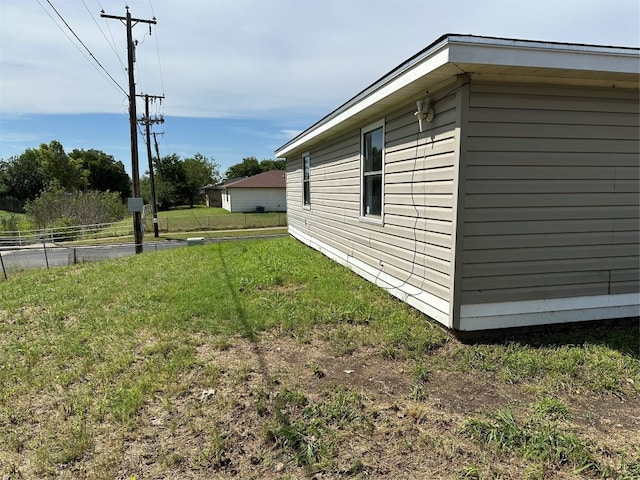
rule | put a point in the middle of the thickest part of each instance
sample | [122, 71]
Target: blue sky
[240, 77]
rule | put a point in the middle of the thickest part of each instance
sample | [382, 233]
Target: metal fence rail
[60, 234]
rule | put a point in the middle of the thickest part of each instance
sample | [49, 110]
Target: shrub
[55, 207]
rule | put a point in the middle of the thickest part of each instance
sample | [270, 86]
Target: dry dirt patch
[213, 425]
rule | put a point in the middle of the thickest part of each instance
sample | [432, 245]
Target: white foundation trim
[486, 316]
[429, 304]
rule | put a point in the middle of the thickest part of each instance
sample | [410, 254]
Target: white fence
[61, 234]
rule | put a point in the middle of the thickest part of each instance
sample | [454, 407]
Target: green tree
[250, 167]
[24, 175]
[247, 168]
[59, 166]
[268, 164]
[4, 185]
[170, 181]
[103, 172]
[199, 171]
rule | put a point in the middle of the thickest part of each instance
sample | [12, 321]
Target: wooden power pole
[133, 121]
[147, 121]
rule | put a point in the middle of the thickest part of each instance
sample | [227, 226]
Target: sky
[240, 77]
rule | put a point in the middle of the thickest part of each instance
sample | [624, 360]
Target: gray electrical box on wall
[135, 204]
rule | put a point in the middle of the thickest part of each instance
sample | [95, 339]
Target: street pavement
[55, 255]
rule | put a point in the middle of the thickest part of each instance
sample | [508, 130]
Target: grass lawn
[263, 359]
[205, 218]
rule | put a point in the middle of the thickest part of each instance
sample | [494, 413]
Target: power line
[112, 43]
[158, 50]
[79, 40]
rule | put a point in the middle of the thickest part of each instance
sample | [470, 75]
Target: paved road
[56, 255]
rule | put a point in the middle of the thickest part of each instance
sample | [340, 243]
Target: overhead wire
[112, 42]
[115, 82]
[158, 51]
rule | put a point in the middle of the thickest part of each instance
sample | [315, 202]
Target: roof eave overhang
[459, 54]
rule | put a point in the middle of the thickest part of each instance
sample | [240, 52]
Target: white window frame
[376, 219]
[306, 202]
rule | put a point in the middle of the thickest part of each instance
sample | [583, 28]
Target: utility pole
[147, 121]
[155, 139]
[133, 121]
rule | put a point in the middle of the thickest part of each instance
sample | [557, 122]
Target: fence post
[4, 271]
[46, 258]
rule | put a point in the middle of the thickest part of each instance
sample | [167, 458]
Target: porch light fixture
[425, 112]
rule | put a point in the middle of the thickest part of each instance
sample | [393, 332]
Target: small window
[372, 170]
[306, 173]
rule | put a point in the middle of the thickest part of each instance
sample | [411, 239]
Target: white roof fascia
[429, 64]
[467, 49]
[521, 53]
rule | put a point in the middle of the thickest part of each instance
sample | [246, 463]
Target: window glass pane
[307, 194]
[373, 151]
[372, 195]
[307, 167]
[306, 170]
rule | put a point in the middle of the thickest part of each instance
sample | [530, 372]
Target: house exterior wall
[410, 254]
[248, 199]
[551, 206]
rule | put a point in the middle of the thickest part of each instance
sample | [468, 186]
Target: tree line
[58, 188]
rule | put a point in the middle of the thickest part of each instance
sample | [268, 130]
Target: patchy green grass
[209, 218]
[264, 359]
[536, 438]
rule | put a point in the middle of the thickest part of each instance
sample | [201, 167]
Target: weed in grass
[630, 471]
[75, 441]
[124, 402]
[421, 372]
[534, 472]
[215, 454]
[13, 441]
[533, 439]
[418, 393]
[344, 340]
[594, 368]
[471, 472]
[307, 429]
[475, 472]
[409, 337]
[550, 409]
[317, 370]
[359, 468]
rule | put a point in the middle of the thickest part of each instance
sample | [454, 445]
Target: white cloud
[258, 59]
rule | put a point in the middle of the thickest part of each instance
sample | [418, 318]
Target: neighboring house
[265, 192]
[516, 204]
[213, 195]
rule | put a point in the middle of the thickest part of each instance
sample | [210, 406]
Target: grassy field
[205, 218]
[199, 218]
[263, 359]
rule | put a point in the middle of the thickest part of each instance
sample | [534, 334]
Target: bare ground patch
[215, 421]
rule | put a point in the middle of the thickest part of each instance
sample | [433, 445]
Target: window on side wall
[372, 168]
[306, 174]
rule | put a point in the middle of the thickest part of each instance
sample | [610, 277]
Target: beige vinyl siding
[413, 244]
[552, 197]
